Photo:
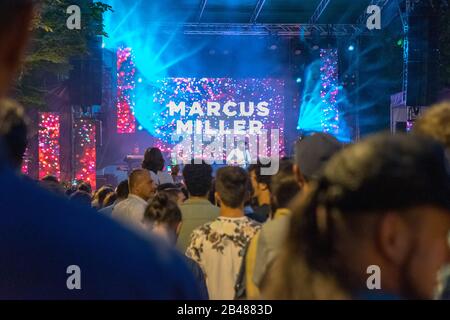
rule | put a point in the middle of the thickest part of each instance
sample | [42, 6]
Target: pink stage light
[126, 70]
[49, 147]
[85, 151]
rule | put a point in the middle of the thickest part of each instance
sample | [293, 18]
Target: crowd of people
[314, 230]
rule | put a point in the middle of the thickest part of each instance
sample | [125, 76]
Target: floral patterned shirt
[219, 247]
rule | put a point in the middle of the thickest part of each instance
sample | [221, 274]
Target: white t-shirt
[130, 210]
[218, 247]
[161, 177]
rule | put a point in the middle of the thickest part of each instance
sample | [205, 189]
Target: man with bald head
[142, 188]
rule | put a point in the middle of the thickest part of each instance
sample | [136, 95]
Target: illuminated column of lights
[85, 151]
[329, 90]
[126, 71]
[49, 147]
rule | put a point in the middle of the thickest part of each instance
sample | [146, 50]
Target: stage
[165, 77]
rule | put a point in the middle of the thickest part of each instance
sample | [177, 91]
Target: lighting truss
[319, 10]
[276, 29]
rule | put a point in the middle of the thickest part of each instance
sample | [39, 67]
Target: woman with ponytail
[373, 226]
[163, 218]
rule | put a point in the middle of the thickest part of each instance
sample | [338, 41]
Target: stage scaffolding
[265, 29]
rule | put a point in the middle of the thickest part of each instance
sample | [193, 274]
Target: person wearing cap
[311, 154]
[373, 226]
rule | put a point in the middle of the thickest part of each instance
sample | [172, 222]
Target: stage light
[351, 47]
[140, 128]
[49, 147]
[85, 150]
[320, 108]
[400, 42]
[298, 52]
[315, 47]
[103, 45]
[273, 47]
[126, 71]
[298, 80]
[140, 80]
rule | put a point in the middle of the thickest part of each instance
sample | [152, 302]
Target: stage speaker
[85, 82]
[423, 60]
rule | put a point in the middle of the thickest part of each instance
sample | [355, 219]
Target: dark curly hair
[197, 178]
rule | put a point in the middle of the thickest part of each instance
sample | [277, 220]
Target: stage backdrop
[168, 105]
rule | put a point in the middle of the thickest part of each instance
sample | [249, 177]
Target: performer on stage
[154, 162]
[240, 156]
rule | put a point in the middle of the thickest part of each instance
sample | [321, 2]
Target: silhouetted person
[13, 131]
[81, 197]
[374, 225]
[46, 236]
[122, 192]
[196, 210]
[100, 196]
[261, 192]
[142, 188]
[435, 123]
[218, 246]
[154, 162]
[163, 218]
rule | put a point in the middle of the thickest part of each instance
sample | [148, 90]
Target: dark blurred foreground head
[15, 20]
[382, 204]
[49, 234]
[435, 123]
[13, 131]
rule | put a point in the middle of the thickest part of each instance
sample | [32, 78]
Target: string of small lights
[49, 147]
[329, 90]
[85, 151]
[126, 84]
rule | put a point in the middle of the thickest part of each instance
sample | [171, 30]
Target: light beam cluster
[49, 147]
[126, 84]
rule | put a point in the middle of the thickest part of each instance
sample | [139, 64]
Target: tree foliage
[53, 45]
